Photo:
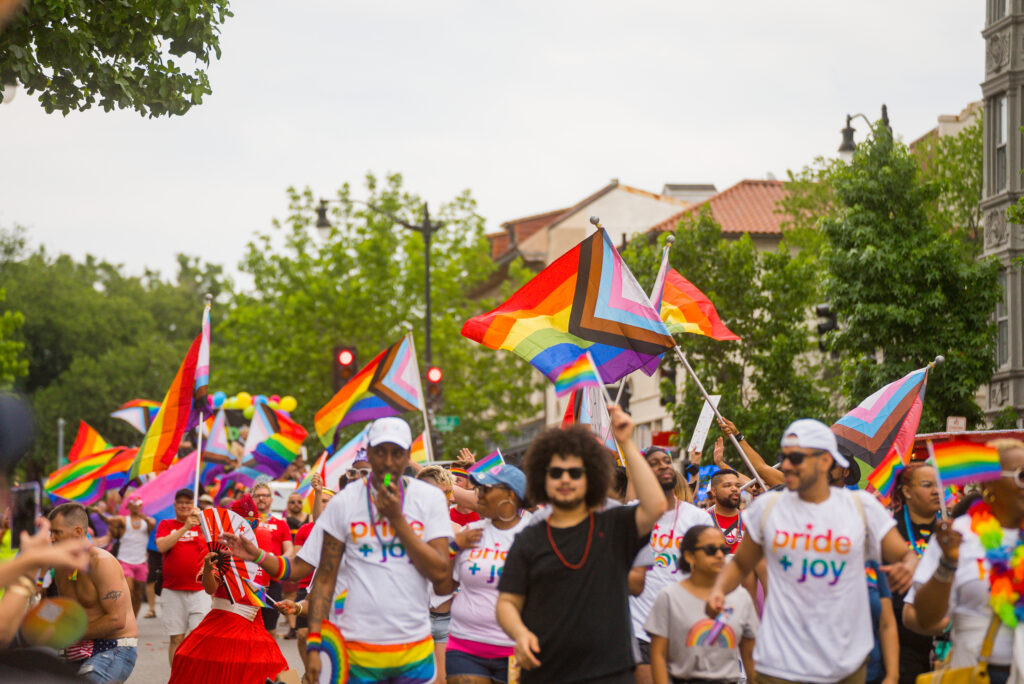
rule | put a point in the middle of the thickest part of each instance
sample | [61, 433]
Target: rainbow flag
[96, 474]
[683, 307]
[961, 462]
[87, 442]
[331, 465]
[586, 300]
[587, 407]
[257, 595]
[139, 413]
[885, 421]
[483, 465]
[202, 379]
[158, 493]
[160, 445]
[275, 453]
[418, 450]
[389, 385]
[883, 477]
[577, 375]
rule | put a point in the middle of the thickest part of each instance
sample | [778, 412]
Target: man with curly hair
[563, 592]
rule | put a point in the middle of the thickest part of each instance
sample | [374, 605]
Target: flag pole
[938, 479]
[428, 445]
[704, 392]
[199, 428]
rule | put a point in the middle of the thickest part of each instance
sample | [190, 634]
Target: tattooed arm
[111, 595]
[320, 596]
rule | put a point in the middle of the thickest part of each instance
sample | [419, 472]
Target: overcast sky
[531, 105]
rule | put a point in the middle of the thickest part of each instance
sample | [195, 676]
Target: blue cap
[503, 474]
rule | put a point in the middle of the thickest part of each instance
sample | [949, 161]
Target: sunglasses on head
[797, 457]
[1016, 475]
[357, 472]
[556, 473]
[712, 549]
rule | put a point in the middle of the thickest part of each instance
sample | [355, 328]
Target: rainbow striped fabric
[961, 462]
[86, 479]
[411, 663]
[276, 452]
[389, 385]
[334, 659]
[883, 477]
[139, 413]
[683, 307]
[483, 465]
[87, 443]
[418, 450]
[586, 300]
[886, 420]
[579, 374]
[257, 595]
[160, 445]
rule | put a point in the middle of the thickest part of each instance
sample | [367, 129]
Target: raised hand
[622, 424]
[239, 546]
[467, 455]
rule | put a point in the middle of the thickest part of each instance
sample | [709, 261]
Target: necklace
[369, 512]
[918, 546]
[1006, 565]
[586, 549]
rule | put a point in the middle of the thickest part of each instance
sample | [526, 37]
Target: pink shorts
[136, 571]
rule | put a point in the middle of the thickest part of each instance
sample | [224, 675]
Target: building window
[1002, 325]
[1000, 134]
[998, 10]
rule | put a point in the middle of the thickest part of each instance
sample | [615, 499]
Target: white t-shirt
[661, 556]
[310, 552]
[817, 620]
[969, 595]
[387, 596]
[477, 570]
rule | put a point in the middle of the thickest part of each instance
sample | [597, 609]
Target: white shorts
[183, 610]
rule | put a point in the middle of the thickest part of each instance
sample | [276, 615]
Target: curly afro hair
[576, 440]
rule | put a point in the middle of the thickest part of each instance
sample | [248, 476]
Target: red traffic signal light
[346, 357]
[434, 374]
[344, 365]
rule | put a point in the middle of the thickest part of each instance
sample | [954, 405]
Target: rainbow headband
[459, 472]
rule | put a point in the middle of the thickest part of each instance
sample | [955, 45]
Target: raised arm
[931, 602]
[771, 476]
[166, 542]
[318, 488]
[211, 582]
[648, 491]
[747, 556]
[108, 578]
[243, 548]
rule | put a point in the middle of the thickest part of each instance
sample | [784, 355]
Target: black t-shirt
[915, 648]
[580, 617]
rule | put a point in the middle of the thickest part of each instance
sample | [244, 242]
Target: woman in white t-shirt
[953, 578]
[685, 644]
[478, 649]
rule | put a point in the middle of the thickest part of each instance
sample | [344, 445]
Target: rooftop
[747, 207]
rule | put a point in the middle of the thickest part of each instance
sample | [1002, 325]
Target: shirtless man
[107, 650]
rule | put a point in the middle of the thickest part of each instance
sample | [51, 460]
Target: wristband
[740, 437]
[260, 557]
[948, 565]
[284, 569]
[313, 642]
[453, 547]
[943, 574]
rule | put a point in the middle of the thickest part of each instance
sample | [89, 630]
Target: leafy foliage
[768, 378]
[79, 53]
[365, 287]
[904, 287]
[954, 165]
[11, 366]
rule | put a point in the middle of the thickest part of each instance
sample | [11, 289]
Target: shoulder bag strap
[863, 519]
[990, 638]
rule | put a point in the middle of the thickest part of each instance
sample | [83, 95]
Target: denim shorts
[113, 666]
[439, 624]
[466, 664]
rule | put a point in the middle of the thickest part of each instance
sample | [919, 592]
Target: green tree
[769, 378]
[12, 366]
[954, 165]
[364, 287]
[79, 53]
[905, 288]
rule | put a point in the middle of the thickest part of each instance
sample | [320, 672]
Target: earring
[988, 496]
[515, 510]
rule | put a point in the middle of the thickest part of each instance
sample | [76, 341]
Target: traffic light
[345, 366]
[434, 378]
[826, 323]
[668, 385]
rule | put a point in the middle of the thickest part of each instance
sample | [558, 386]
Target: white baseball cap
[813, 434]
[393, 430]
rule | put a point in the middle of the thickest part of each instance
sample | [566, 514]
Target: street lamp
[848, 146]
[426, 229]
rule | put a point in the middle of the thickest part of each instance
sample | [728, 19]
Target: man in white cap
[817, 620]
[394, 533]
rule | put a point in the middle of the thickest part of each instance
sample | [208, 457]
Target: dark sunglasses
[711, 549]
[556, 473]
[797, 457]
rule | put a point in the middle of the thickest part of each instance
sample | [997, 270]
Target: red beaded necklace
[586, 550]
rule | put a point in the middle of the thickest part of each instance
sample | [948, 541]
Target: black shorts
[155, 559]
[302, 622]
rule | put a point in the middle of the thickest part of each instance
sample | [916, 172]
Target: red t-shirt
[462, 518]
[271, 533]
[183, 562]
[301, 535]
[731, 527]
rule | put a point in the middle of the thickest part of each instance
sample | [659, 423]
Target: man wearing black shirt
[563, 592]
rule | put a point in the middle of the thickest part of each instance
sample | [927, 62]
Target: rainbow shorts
[411, 663]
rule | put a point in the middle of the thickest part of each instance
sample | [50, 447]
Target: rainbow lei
[1006, 565]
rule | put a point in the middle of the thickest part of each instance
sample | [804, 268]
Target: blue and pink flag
[491, 460]
[158, 494]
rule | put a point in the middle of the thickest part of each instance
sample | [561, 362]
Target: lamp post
[848, 146]
[426, 229]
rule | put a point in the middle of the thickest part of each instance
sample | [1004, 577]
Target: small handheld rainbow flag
[883, 477]
[418, 451]
[960, 462]
[257, 594]
[485, 464]
[579, 374]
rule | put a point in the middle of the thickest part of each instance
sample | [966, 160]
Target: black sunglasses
[556, 473]
[797, 457]
[711, 549]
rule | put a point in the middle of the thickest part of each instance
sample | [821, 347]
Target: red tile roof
[515, 231]
[747, 207]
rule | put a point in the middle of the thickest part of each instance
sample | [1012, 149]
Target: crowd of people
[573, 568]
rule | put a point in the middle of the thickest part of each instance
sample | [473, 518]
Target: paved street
[152, 666]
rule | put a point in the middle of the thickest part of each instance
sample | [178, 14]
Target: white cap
[813, 434]
[393, 430]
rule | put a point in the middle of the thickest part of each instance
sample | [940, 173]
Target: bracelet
[948, 565]
[20, 591]
[313, 642]
[943, 575]
[260, 557]
[298, 609]
[284, 569]
[455, 548]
